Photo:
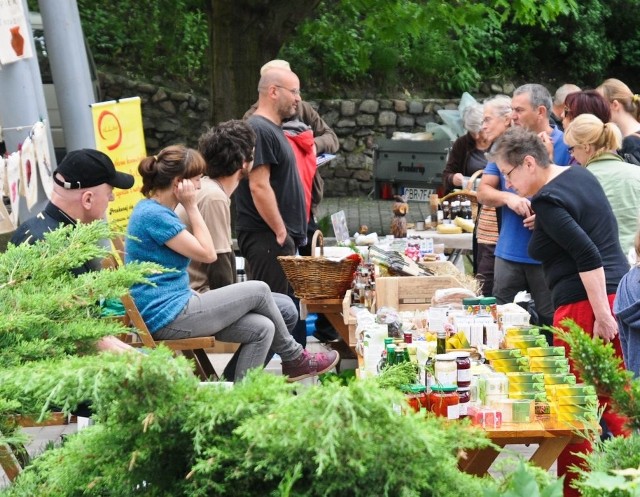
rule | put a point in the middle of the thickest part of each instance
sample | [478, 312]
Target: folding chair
[192, 348]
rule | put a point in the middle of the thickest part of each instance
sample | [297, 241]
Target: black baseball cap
[86, 167]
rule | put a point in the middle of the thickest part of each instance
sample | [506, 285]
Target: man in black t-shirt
[271, 217]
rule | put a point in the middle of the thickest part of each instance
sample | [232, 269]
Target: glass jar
[488, 307]
[446, 369]
[471, 306]
[464, 397]
[463, 367]
[416, 396]
[444, 401]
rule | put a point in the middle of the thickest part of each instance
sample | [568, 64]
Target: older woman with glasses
[593, 143]
[576, 238]
[467, 153]
[495, 120]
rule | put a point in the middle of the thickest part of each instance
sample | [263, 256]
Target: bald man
[271, 218]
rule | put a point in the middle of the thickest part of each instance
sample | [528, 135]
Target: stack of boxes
[540, 374]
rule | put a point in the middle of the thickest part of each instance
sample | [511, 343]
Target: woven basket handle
[317, 236]
[472, 180]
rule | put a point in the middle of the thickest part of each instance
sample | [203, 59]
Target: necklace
[220, 186]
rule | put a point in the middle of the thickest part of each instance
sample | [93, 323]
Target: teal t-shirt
[152, 225]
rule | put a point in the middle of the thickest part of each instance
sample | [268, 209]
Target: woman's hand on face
[185, 192]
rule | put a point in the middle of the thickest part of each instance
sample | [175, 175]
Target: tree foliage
[444, 46]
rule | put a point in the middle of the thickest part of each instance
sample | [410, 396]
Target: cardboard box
[410, 293]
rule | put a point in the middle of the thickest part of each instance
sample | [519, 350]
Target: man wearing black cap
[84, 183]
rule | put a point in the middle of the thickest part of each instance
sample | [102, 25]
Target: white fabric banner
[15, 37]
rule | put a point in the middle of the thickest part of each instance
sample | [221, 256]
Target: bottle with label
[467, 213]
[441, 342]
[455, 209]
[446, 212]
[429, 377]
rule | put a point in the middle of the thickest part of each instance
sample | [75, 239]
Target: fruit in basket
[448, 229]
[467, 225]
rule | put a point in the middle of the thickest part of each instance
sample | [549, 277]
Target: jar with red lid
[463, 369]
[444, 401]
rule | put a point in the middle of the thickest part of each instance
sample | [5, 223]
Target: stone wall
[178, 117]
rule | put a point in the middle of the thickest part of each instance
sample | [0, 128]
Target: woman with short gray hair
[467, 153]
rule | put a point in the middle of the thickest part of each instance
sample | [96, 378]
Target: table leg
[478, 461]
[548, 451]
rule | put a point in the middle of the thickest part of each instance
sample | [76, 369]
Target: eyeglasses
[570, 149]
[506, 176]
[567, 111]
[295, 92]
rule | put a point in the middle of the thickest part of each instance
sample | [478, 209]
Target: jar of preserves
[416, 396]
[464, 397]
[471, 306]
[463, 368]
[444, 401]
[446, 370]
[488, 307]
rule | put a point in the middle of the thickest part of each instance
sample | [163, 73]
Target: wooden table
[552, 436]
[336, 311]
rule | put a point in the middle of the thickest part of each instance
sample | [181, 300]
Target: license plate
[417, 194]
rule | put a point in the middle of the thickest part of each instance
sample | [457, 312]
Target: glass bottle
[441, 342]
[446, 212]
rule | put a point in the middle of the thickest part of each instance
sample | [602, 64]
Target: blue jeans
[240, 313]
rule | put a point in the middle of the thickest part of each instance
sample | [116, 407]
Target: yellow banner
[119, 134]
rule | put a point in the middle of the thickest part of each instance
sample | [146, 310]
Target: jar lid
[487, 300]
[470, 301]
[444, 388]
[417, 388]
[461, 354]
[445, 357]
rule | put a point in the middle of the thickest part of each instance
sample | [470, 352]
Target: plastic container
[471, 306]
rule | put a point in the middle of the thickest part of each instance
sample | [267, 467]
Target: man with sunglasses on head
[514, 270]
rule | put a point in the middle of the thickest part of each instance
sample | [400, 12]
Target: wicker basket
[468, 194]
[316, 277]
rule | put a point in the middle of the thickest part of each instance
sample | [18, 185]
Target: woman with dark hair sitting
[241, 313]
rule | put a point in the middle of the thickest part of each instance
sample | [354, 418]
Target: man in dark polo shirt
[83, 187]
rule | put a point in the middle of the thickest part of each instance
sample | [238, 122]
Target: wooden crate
[408, 293]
